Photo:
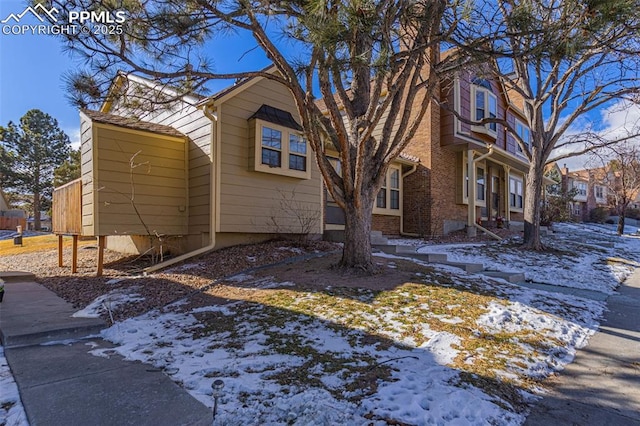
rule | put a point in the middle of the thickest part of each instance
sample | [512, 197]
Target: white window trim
[520, 180]
[284, 169]
[481, 202]
[595, 192]
[486, 129]
[465, 179]
[388, 211]
[582, 188]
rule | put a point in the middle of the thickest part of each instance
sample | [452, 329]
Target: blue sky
[32, 69]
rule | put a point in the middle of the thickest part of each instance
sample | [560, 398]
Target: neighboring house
[10, 218]
[234, 168]
[45, 222]
[591, 190]
[427, 189]
[468, 174]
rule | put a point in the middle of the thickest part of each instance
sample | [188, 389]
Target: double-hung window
[388, 198]
[480, 184]
[515, 192]
[599, 191]
[484, 105]
[297, 152]
[525, 134]
[271, 147]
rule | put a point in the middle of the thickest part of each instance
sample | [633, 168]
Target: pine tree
[30, 152]
[69, 170]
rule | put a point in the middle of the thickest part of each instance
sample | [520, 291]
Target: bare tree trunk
[533, 210]
[623, 211]
[357, 233]
[36, 210]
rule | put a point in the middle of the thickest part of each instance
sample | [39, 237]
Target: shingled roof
[131, 123]
[276, 116]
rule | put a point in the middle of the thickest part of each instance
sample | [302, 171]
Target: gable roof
[122, 76]
[131, 123]
[237, 87]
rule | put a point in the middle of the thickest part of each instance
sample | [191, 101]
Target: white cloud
[617, 121]
[74, 136]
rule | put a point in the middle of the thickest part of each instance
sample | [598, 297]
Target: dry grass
[37, 244]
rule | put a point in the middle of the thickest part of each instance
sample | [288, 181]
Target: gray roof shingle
[131, 123]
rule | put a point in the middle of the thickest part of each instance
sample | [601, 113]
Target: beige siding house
[204, 173]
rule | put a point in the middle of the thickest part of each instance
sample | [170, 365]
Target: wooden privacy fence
[66, 216]
[13, 222]
[66, 219]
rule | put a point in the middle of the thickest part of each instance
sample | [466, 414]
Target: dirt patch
[123, 273]
[320, 273]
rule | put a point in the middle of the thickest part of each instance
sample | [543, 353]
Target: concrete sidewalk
[602, 385]
[62, 384]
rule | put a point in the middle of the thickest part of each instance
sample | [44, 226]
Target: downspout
[407, 234]
[212, 200]
[472, 208]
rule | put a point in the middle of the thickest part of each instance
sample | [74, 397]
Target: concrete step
[406, 249]
[430, 257]
[378, 241]
[376, 233]
[512, 277]
[16, 276]
[470, 268]
[385, 248]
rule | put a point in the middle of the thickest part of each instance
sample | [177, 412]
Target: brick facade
[432, 196]
[388, 225]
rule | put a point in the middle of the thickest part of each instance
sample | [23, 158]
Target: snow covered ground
[577, 257]
[11, 410]
[448, 348]
[444, 348]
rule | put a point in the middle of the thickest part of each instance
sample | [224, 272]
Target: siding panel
[249, 199]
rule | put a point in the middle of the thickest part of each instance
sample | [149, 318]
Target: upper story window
[525, 134]
[484, 104]
[279, 146]
[271, 147]
[337, 166]
[581, 187]
[297, 152]
[599, 191]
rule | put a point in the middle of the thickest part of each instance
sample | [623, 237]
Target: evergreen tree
[69, 169]
[30, 151]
